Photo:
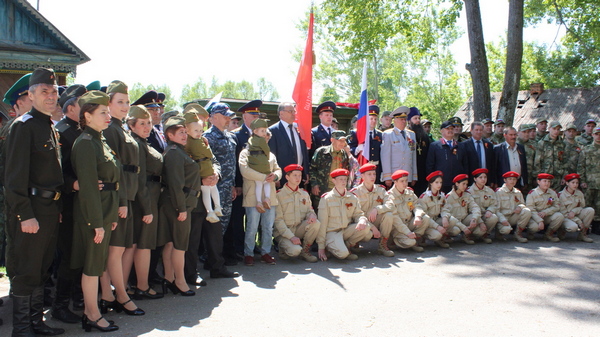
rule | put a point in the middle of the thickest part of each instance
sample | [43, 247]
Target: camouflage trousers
[592, 199]
[225, 193]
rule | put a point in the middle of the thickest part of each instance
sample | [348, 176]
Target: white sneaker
[212, 217]
[219, 211]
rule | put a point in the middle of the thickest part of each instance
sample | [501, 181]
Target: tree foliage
[138, 89]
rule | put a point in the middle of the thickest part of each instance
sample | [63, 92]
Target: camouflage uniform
[497, 138]
[320, 167]
[508, 201]
[339, 216]
[584, 139]
[529, 146]
[547, 202]
[485, 198]
[374, 200]
[551, 158]
[540, 135]
[223, 144]
[463, 208]
[589, 169]
[583, 215]
[572, 152]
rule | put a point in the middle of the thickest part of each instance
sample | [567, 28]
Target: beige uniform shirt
[571, 202]
[508, 201]
[403, 204]
[336, 212]
[538, 201]
[459, 206]
[485, 198]
[370, 199]
[294, 207]
[432, 204]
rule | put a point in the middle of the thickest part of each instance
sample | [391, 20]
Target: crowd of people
[118, 198]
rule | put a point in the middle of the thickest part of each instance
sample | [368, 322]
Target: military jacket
[540, 135]
[589, 166]
[459, 206]
[223, 145]
[584, 139]
[3, 136]
[127, 151]
[200, 151]
[497, 138]
[539, 201]
[294, 207]
[399, 153]
[370, 199]
[571, 202]
[259, 152]
[321, 164]
[94, 160]
[432, 204]
[151, 165]
[403, 204]
[68, 131]
[485, 198]
[182, 177]
[550, 157]
[33, 160]
[508, 201]
[572, 152]
[336, 212]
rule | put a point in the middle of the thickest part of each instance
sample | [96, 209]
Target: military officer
[550, 155]
[459, 135]
[485, 198]
[157, 137]
[511, 209]
[409, 227]
[488, 126]
[586, 137]
[525, 130]
[375, 138]
[398, 149]
[572, 149]
[461, 205]
[572, 206]
[385, 122]
[343, 223]
[590, 175]
[371, 196]
[545, 208]
[498, 136]
[32, 188]
[321, 134]
[296, 223]
[541, 124]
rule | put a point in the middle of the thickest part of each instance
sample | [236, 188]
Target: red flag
[303, 89]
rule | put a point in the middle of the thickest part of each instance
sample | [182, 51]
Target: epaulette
[497, 189]
[468, 192]
[353, 189]
[530, 191]
[279, 190]
[237, 129]
[409, 130]
[447, 195]
[422, 196]
[169, 148]
[382, 185]
[516, 189]
[86, 136]
[62, 127]
[558, 194]
[24, 118]
[410, 188]
[324, 194]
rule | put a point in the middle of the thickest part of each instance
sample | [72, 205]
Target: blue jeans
[266, 219]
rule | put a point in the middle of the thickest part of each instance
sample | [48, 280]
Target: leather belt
[54, 195]
[256, 153]
[191, 191]
[156, 179]
[110, 186]
[131, 168]
[201, 159]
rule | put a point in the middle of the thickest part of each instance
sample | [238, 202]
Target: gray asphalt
[499, 289]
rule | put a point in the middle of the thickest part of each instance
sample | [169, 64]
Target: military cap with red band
[339, 172]
[460, 178]
[293, 167]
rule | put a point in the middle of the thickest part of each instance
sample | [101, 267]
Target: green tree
[196, 90]
[138, 89]
[266, 90]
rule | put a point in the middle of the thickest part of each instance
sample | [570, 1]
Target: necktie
[329, 132]
[450, 143]
[479, 154]
[403, 135]
[293, 138]
[370, 134]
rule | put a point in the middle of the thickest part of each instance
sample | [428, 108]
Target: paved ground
[502, 289]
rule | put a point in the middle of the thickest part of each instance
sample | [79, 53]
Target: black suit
[155, 141]
[503, 163]
[470, 159]
[443, 158]
[281, 147]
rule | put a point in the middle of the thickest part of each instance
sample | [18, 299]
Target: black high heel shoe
[87, 325]
[141, 294]
[105, 305]
[134, 312]
[175, 290]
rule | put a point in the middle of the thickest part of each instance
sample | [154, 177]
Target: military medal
[516, 199]
[379, 200]
[303, 201]
[550, 200]
[349, 205]
[463, 203]
[410, 205]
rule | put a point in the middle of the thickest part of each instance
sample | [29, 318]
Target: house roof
[573, 105]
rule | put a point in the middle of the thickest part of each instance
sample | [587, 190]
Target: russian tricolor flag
[362, 129]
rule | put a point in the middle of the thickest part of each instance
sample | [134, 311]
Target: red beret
[572, 176]
[545, 176]
[433, 175]
[339, 172]
[293, 167]
[510, 174]
[399, 174]
[479, 171]
[460, 177]
[368, 167]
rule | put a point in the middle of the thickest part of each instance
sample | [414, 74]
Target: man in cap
[427, 128]
[223, 144]
[510, 156]
[68, 279]
[498, 136]
[443, 156]
[157, 137]
[459, 136]
[550, 155]
[296, 224]
[234, 124]
[511, 209]
[321, 134]
[336, 125]
[589, 170]
[286, 143]
[32, 188]
[375, 138]
[385, 122]
[343, 223]
[399, 149]
[161, 102]
[488, 126]
[545, 208]
[541, 124]
[478, 152]
[327, 159]
[525, 138]
[586, 137]
[572, 149]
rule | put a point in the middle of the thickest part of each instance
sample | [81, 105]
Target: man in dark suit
[478, 152]
[321, 134]
[510, 156]
[285, 142]
[157, 138]
[375, 138]
[443, 156]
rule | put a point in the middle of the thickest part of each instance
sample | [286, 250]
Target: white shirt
[513, 158]
[296, 139]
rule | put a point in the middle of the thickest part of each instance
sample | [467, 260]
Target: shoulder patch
[86, 136]
[382, 185]
[353, 189]
[410, 189]
[497, 189]
[422, 196]
[324, 194]
[530, 191]
[24, 118]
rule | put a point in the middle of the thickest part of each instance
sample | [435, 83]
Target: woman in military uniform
[120, 251]
[95, 210]
[460, 204]
[145, 205]
[182, 177]
[485, 198]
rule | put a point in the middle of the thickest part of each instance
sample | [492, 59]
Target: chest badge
[348, 205]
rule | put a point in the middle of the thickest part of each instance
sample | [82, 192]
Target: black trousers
[211, 234]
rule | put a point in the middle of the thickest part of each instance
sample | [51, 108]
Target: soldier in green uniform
[572, 149]
[541, 124]
[427, 128]
[550, 155]
[32, 187]
[120, 251]
[95, 209]
[498, 136]
[385, 121]
[524, 139]
[589, 170]
[586, 137]
[488, 126]
[459, 135]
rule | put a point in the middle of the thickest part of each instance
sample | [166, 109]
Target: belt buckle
[138, 170]
[56, 196]
[117, 186]
[198, 194]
